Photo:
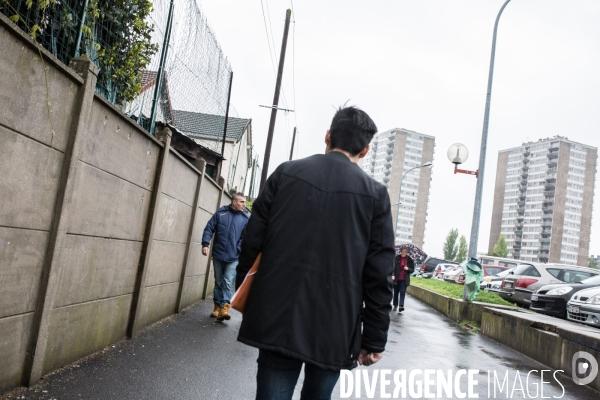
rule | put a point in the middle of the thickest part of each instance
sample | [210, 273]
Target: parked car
[526, 278]
[499, 261]
[584, 307]
[439, 270]
[492, 283]
[452, 274]
[552, 299]
[430, 264]
[488, 270]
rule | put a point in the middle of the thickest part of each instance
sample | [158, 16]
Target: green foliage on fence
[115, 35]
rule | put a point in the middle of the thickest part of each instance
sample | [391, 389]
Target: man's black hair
[351, 130]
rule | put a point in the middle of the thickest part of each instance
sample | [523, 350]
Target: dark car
[552, 299]
[429, 265]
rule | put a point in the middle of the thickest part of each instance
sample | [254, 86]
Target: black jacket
[325, 230]
[411, 268]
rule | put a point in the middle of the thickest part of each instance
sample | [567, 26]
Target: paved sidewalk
[190, 356]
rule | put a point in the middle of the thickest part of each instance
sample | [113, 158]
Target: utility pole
[225, 125]
[486, 118]
[293, 140]
[254, 161]
[265, 170]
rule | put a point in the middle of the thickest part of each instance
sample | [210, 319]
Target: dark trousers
[399, 289]
[277, 377]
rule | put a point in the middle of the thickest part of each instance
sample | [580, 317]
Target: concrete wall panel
[159, 303]
[180, 181]
[209, 195]
[197, 262]
[107, 206]
[15, 333]
[165, 263]
[117, 147]
[23, 93]
[29, 181]
[21, 258]
[81, 329]
[225, 200]
[173, 220]
[203, 218]
[192, 290]
[96, 268]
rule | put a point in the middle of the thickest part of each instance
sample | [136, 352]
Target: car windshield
[593, 280]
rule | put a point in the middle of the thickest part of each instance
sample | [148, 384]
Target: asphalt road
[190, 356]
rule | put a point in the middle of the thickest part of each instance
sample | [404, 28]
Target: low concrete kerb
[455, 309]
[552, 342]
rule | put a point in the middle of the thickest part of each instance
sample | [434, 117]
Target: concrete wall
[545, 340]
[454, 309]
[100, 224]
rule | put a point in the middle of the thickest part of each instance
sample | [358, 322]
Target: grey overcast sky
[421, 65]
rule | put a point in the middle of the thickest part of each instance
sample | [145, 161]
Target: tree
[450, 246]
[592, 263]
[500, 248]
[463, 249]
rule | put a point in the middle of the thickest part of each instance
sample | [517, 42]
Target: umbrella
[414, 252]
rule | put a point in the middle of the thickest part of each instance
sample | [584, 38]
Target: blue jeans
[399, 289]
[224, 279]
[277, 377]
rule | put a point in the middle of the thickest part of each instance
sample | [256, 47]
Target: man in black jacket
[325, 232]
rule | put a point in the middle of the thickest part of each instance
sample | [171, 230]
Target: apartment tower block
[393, 153]
[543, 201]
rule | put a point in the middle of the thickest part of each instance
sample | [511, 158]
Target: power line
[267, 32]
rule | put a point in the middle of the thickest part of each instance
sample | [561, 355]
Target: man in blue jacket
[227, 224]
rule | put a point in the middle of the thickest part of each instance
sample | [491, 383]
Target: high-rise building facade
[543, 201]
[393, 153]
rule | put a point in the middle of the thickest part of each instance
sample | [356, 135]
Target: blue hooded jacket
[228, 226]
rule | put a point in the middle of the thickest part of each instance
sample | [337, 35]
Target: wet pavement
[190, 356]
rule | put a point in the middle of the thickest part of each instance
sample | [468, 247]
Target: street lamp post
[429, 164]
[486, 118]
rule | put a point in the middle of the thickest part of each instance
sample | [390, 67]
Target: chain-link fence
[159, 61]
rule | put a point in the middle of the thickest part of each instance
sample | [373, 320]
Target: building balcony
[545, 240]
[549, 186]
[526, 153]
[521, 203]
[551, 178]
[549, 193]
[387, 173]
[552, 163]
[544, 249]
[546, 232]
[522, 188]
[543, 258]
[547, 217]
[526, 160]
[390, 150]
[389, 157]
[552, 155]
[548, 210]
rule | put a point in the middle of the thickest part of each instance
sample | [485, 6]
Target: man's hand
[205, 251]
[367, 358]
[406, 268]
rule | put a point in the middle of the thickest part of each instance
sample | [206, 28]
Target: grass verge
[456, 291]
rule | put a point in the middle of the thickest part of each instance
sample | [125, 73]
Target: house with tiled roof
[140, 108]
[207, 131]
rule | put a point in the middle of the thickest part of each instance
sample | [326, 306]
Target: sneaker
[394, 308]
[400, 309]
[224, 313]
[215, 312]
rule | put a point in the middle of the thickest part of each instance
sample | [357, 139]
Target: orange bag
[238, 301]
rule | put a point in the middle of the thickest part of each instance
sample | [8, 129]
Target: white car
[438, 272]
[453, 273]
[584, 307]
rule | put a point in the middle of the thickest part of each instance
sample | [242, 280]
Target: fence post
[133, 326]
[221, 183]
[161, 70]
[201, 164]
[64, 199]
